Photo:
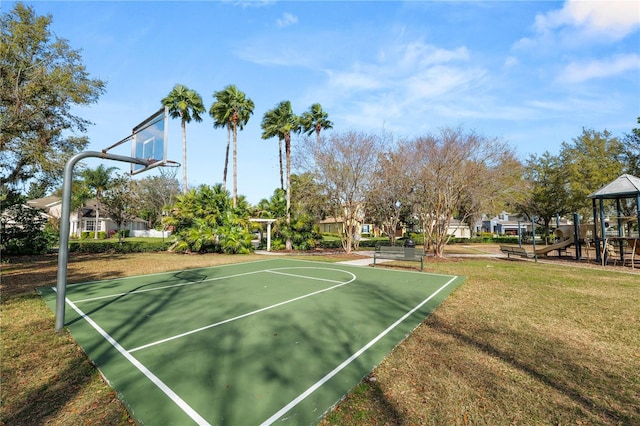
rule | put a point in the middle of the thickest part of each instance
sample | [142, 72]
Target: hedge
[116, 247]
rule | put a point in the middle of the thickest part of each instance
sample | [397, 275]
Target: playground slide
[562, 244]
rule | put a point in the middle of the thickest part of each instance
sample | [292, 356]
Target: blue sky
[531, 73]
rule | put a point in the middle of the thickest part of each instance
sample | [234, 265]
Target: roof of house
[45, 202]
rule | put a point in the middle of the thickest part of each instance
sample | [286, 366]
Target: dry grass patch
[517, 343]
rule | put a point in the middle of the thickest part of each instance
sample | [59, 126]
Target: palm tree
[281, 121]
[232, 109]
[269, 130]
[96, 181]
[185, 104]
[315, 120]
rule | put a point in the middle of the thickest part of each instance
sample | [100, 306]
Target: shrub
[24, 231]
[114, 246]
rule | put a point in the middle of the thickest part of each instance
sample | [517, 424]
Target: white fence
[150, 233]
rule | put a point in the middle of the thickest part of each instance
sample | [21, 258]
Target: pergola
[268, 222]
[626, 186]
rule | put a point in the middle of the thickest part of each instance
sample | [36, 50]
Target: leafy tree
[119, 202]
[24, 230]
[631, 152]
[281, 122]
[548, 190]
[231, 109]
[315, 120]
[592, 160]
[205, 220]
[302, 230]
[185, 104]
[42, 79]
[154, 194]
[96, 181]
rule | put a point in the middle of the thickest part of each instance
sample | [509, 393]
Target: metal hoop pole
[65, 217]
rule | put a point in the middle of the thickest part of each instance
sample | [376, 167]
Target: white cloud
[608, 19]
[286, 20]
[402, 85]
[577, 72]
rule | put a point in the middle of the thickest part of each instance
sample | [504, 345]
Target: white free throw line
[349, 360]
[144, 370]
[257, 311]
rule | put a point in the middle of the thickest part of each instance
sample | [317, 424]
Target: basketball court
[254, 343]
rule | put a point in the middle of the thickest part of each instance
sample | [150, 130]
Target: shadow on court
[250, 343]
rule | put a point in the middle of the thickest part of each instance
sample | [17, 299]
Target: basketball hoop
[170, 163]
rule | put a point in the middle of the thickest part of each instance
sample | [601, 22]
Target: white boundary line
[348, 361]
[144, 370]
[257, 311]
[133, 292]
[167, 272]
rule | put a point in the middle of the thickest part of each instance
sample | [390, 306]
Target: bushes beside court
[113, 246]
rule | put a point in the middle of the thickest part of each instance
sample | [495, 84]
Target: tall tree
[270, 129]
[390, 191]
[315, 120]
[42, 79]
[154, 194]
[282, 122]
[342, 165]
[119, 202]
[631, 152]
[548, 194]
[232, 108]
[449, 171]
[591, 160]
[185, 104]
[96, 182]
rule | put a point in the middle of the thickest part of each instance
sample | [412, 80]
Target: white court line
[131, 277]
[257, 311]
[164, 287]
[273, 271]
[144, 370]
[348, 361]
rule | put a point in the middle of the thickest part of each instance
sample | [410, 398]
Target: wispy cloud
[286, 20]
[577, 72]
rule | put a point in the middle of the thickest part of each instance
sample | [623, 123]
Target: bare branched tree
[457, 175]
[390, 192]
[342, 166]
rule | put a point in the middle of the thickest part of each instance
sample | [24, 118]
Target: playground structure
[624, 245]
[621, 245]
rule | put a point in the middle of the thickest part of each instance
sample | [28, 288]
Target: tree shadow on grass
[599, 407]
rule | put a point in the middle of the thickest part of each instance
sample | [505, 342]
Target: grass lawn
[517, 343]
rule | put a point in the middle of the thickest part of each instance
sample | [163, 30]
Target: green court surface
[246, 344]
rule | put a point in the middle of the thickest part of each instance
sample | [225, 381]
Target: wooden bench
[410, 254]
[516, 251]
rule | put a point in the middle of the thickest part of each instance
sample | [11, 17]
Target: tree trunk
[184, 157]
[226, 159]
[281, 169]
[235, 163]
[287, 147]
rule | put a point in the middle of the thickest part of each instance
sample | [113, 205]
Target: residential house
[89, 218]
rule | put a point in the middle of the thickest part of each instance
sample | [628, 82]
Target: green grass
[517, 343]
